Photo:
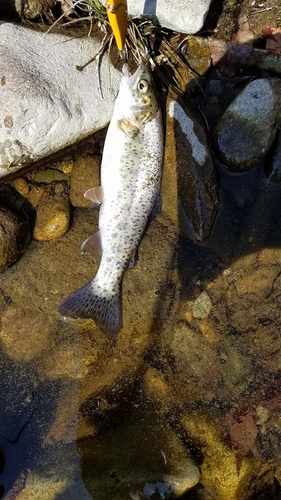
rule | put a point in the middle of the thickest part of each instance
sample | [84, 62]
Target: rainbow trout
[130, 183]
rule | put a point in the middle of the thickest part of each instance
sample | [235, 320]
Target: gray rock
[46, 103]
[186, 16]
[245, 132]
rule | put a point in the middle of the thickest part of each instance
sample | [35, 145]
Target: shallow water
[195, 371]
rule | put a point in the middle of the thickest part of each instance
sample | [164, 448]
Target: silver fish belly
[130, 183]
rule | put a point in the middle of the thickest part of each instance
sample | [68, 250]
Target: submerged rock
[142, 455]
[264, 61]
[189, 173]
[202, 306]
[220, 476]
[245, 132]
[38, 117]
[53, 217]
[15, 226]
[48, 175]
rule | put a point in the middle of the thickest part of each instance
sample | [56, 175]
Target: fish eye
[143, 86]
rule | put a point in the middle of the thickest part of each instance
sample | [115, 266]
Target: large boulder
[46, 103]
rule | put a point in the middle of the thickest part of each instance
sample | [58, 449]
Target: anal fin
[92, 244]
[95, 195]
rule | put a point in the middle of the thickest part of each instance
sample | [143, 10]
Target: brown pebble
[53, 216]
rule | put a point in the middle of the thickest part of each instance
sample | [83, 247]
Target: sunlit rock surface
[38, 115]
[186, 16]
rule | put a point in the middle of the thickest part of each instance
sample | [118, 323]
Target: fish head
[137, 103]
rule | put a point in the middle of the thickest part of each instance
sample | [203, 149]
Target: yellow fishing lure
[117, 17]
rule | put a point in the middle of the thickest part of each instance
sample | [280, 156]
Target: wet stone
[37, 487]
[140, 456]
[22, 186]
[245, 132]
[202, 306]
[219, 473]
[65, 165]
[194, 355]
[32, 191]
[48, 175]
[193, 180]
[265, 61]
[15, 228]
[198, 54]
[2, 462]
[84, 175]
[69, 425]
[53, 217]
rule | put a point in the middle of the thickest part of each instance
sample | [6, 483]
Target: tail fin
[88, 302]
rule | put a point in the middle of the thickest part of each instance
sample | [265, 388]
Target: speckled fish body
[130, 182]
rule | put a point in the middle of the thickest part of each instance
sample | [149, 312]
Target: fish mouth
[133, 77]
[125, 70]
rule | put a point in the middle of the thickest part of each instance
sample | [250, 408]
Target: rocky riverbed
[186, 401]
